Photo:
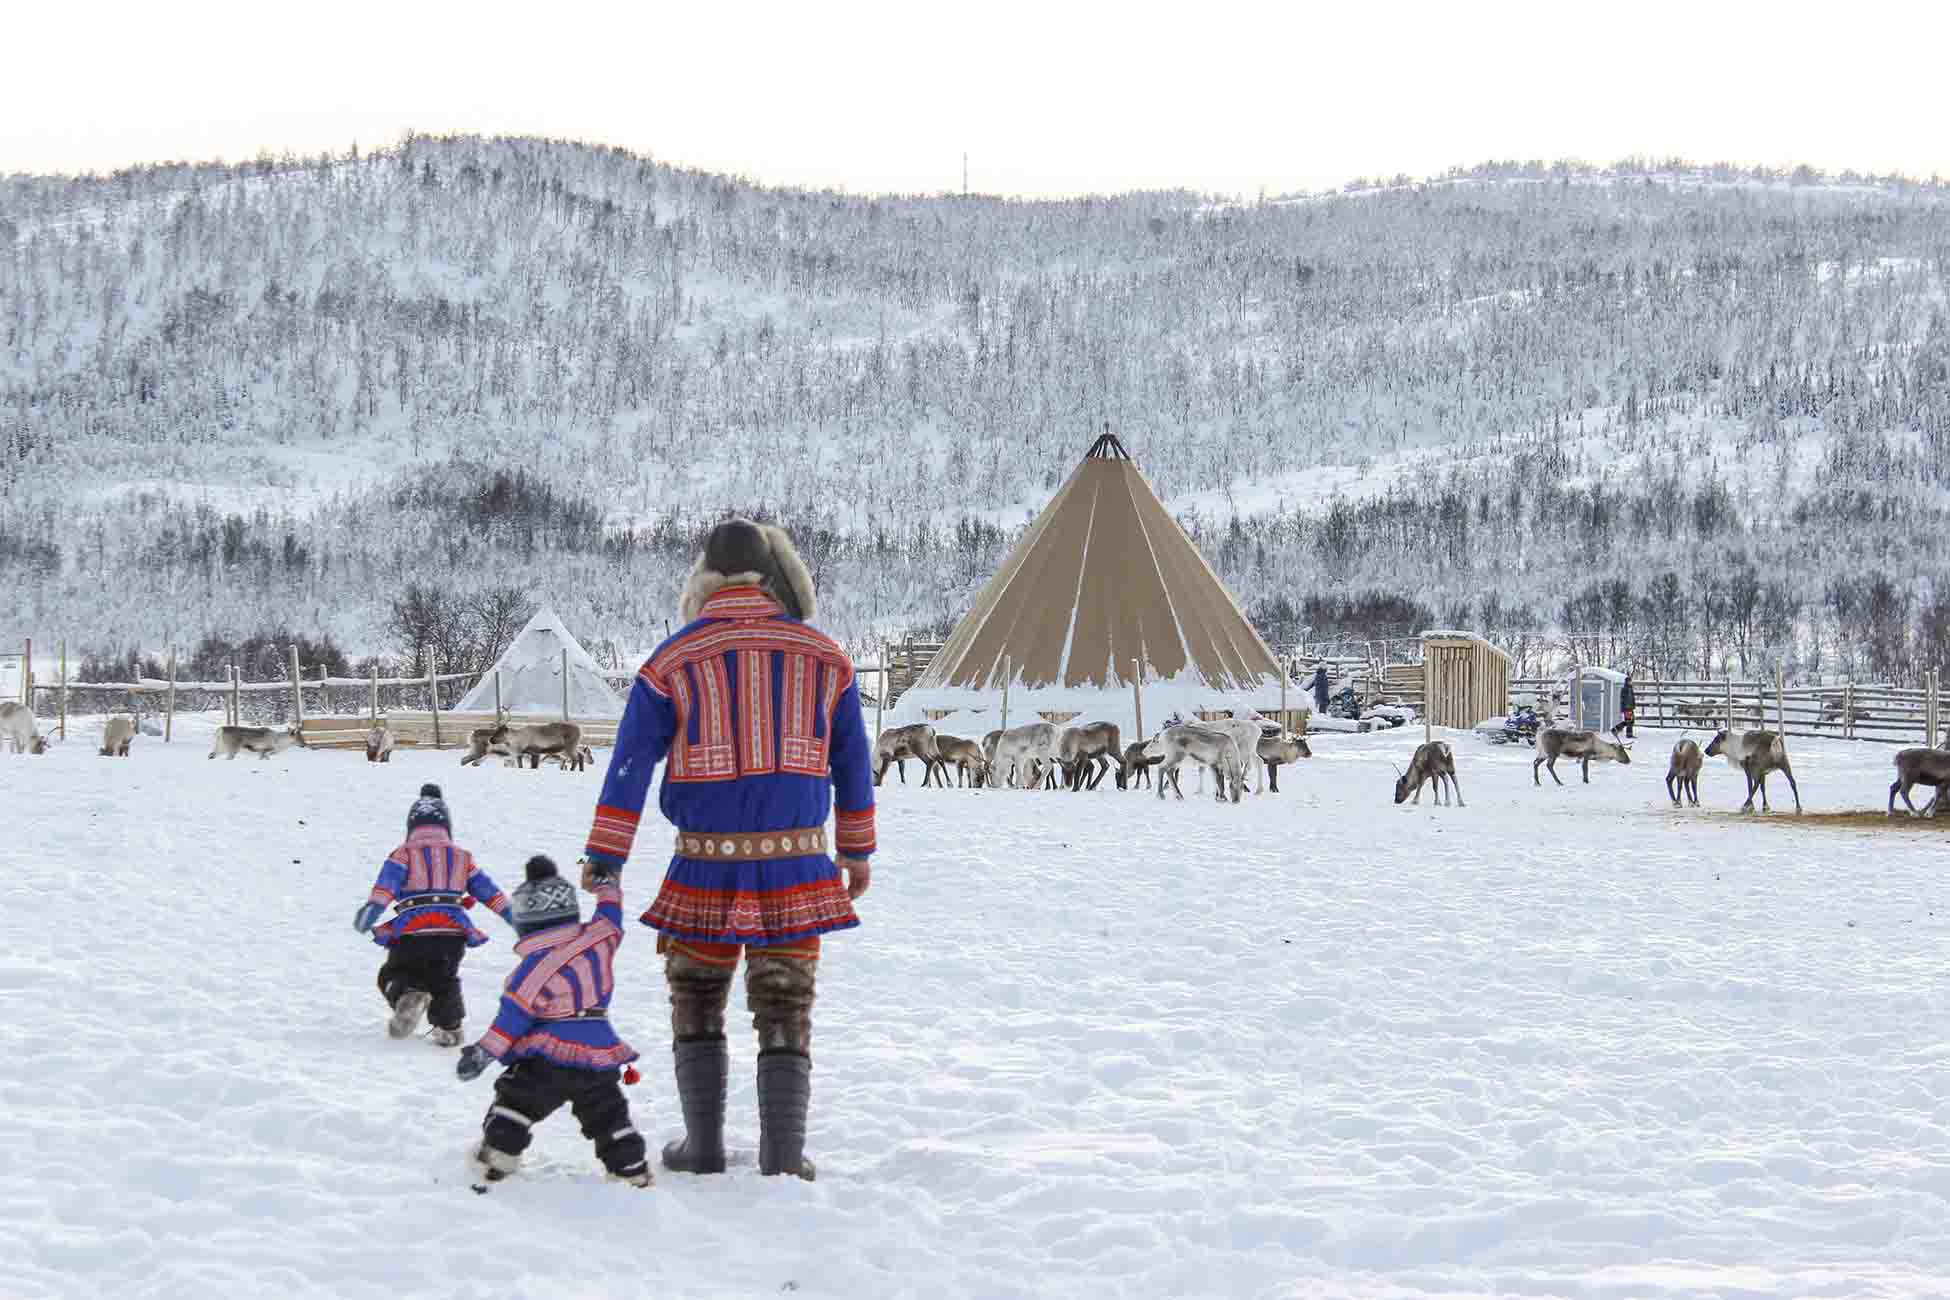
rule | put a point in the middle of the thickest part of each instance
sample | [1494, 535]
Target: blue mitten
[473, 1059]
[368, 916]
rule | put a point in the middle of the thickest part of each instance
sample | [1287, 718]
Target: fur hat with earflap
[544, 899]
[429, 809]
[740, 553]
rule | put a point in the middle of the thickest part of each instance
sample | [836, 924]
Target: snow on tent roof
[531, 676]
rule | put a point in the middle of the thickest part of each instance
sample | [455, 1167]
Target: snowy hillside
[269, 395]
[1563, 1041]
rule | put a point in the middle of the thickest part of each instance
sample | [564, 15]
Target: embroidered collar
[740, 603]
[548, 938]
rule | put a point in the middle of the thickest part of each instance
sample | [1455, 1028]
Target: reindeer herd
[1046, 756]
[1077, 758]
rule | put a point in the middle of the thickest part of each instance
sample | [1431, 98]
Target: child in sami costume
[553, 1031]
[756, 718]
[430, 880]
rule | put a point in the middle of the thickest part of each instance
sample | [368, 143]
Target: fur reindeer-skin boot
[784, 1097]
[703, 1065]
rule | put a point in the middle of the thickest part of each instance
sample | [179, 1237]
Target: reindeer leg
[1585, 767]
[1457, 785]
[1788, 772]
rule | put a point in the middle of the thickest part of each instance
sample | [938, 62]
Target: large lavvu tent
[1103, 590]
[531, 670]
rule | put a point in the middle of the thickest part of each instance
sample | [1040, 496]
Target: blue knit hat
[428, 810]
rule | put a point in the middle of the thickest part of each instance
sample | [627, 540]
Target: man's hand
[859, 874]
[595, 874]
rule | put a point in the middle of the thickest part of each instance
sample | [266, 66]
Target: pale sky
[1047, 98]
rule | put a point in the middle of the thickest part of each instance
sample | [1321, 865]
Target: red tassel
[467, 900]
[630, 1076]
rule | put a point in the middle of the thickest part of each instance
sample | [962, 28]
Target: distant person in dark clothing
[1627, 702]
[1320, 690]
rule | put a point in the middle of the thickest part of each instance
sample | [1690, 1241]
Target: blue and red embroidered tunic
[428, 877]
[759, 717]
[556, 1003]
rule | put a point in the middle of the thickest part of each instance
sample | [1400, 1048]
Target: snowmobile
[1523, 724]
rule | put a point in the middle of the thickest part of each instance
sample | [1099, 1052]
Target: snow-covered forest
[1701, 412]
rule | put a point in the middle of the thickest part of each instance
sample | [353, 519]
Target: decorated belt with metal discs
[762, 846]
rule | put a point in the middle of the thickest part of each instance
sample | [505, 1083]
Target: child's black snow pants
[531, 1090]
[428, 963]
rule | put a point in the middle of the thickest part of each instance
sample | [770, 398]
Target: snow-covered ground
[1561, 1042]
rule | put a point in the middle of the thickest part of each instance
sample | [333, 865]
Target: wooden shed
[1466, 679]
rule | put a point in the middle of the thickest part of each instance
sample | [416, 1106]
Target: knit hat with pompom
[428, 810]
[544, 899]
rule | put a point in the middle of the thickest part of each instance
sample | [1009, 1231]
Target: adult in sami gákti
[759, 720]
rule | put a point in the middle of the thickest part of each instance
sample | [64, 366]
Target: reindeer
[1920, 766]
[1682, 774]
[1206, 745]
[1246, 733]
[1581, 745]
[116, 737]
[1088, 752]
[1433, 761]
[17, 726]
[1755, 754]
[1138, 762]
[262, 741]
[1275, 750]
[966, 757]
[1028, 752]
[531, 743]
[379, 744]
[895, 747]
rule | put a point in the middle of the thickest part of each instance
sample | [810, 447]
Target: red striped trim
[853, 831]
[740, 602]
[816, 905]
[495, 1043]
[720, 638]
[725, 955]
[380, 896]
[613, 831]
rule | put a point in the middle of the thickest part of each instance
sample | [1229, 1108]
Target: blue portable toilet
[1594, 699]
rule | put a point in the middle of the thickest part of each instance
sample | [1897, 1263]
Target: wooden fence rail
[1871, 711]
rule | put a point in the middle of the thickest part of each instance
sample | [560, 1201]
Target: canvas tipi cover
[1103, 578]
[531, 676]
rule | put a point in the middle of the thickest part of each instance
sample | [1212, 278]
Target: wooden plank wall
[415, 730]
[1469, 681]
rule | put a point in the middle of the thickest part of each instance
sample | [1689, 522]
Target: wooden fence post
[375, 692]
[169, 708]
[880, 696]
[433, 696]
[1428, 695]
[1008, 670]
[1780, 703]
[61, 691]
[499, 717]
[1137, 696]
[236, 696]
[297, 689]
[1730, 722]
[1848, 709]
[565, 686]
[27, 676]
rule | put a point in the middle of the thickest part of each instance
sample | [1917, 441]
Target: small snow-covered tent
[1103, 590]
[530, 673]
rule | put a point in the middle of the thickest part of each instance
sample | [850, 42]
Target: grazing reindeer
[531, 743]
[1206, 745]
[1138, 762]
[895, 747]
[116, 737]
[1920, 766]
[1755, 754]
[966, 757]
[1433, 761]
[1246, 733]
[379, 744]
[572, 762]
[1682, 774]
[1088, 752]
[17, 725]
[1275, 750]
[1030, 750]
[1581, 745]
[262, 741]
